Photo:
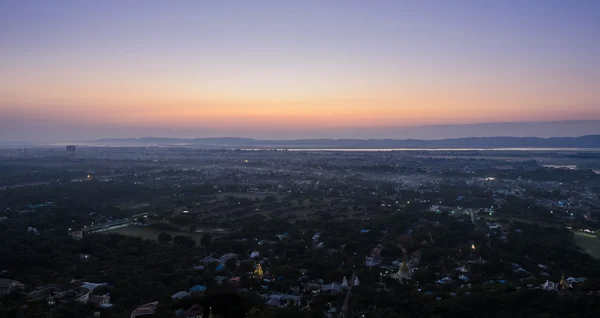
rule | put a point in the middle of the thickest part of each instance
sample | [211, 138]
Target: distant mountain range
[589, 141]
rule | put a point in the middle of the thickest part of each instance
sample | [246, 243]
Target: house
[144, 310]
[220, 279]
[7, 286]
[76, 235]
[311, 287]
[41, 292]
[71, 295]
[197, 289]
[575, 280]
[332, 288]
[106, 226]
[544, 267]
[180, 295]
[196, 311]
[99, 300]
[372, 262]
[92, 286]
[281, 300]
[494, 226]
[209, 259]
[226, 257]
[445, 280]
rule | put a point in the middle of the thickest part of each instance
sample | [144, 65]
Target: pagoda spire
[258, 272]
[404, 267]
[345, 282]
[563, 282]
[403, 272]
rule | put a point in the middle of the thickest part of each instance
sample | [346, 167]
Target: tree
[164, 238]
[185, 241]
[205, 241]
[192, 227]
[178, 239]
[231, 264]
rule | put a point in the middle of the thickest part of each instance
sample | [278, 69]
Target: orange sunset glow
[255, 72]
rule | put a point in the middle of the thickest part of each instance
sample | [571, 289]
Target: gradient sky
[292, 69]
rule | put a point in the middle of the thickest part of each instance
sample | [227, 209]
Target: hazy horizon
[517, 129]
[288, 70]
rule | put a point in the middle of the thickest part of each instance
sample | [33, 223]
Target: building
[144, 310]
[42, 292]
[180, 295]
[403, 273]
[258, 272]
[333, 288]
[69, 293]
[371, 262]
[7, 286]
[282, 300]
[197, 289]
[99, 300]
[77, 235]
[196, 311]
[106, 226]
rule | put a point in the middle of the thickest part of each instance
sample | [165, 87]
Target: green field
[590, 243]
[148, 233]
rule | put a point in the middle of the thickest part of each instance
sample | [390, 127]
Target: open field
[249, 195]
[132, 206]
[148, 233]
[541, 223]
[590, 243]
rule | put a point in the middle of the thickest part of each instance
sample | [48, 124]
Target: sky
[74, 70]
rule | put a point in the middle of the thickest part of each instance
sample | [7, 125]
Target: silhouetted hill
[590, 141]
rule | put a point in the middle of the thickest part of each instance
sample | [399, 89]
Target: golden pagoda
[404, 267]
[563, 282]
[403, 272]
[258, 272]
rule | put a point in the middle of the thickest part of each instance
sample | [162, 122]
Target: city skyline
[341, 69]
